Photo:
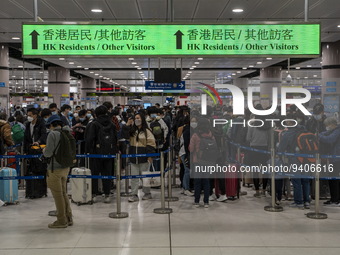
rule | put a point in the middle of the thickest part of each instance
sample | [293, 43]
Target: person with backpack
[60, 151]
[142, 141]
[160, 131]
[101, 138]
[66, 114]
[258, 138]
[17, 129]
[289, 142]
[204, 152]
[331, 137]
[5, 133]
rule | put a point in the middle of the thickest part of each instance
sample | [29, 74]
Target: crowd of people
[112, 129]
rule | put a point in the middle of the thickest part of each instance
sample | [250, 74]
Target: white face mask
[193, 124]
[75, 115]
[29, 119]
[118, 118]
[138, 122]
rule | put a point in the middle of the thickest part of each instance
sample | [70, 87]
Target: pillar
[331, 77]
[242, 83]
[4, 79]
[269, 77]
[59, 85]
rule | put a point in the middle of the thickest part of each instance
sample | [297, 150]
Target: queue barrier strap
[103, 177]
[285, 153]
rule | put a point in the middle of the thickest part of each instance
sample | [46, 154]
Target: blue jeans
[186, 177]
[301, 190]
[199, 185]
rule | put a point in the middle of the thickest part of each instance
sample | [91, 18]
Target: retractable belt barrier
[288, 154]
[86, 176]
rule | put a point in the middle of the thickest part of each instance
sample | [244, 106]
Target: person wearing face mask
[54, 109]
[35, 133]
[331, 137]
[45, 114]
[66, 114]
[315, 124]
[160, 131]
[90, 115]
[142, 141]
[288, 144]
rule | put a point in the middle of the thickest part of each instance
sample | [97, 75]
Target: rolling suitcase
[232, 185]
[8, 188]
[81, 188]
[36, 188]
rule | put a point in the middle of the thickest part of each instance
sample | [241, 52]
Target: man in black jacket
[101, 138]
[35, 133]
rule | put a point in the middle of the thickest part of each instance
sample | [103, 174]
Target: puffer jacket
[6, 133]
[145, 144]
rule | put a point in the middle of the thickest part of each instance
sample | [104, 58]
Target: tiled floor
[238, 227]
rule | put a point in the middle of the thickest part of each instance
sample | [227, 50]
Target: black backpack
[106, 140]
[208, 151]
[157, 131]
[65, 153]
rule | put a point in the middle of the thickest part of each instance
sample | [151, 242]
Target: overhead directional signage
[151, 85]
[41, 39]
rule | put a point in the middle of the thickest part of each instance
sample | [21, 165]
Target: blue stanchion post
[118, 214]
[170, 198]
[317, 215]
[162, 210]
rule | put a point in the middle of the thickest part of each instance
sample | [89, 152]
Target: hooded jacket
[194, 146]
[6, 133]
[92, 131]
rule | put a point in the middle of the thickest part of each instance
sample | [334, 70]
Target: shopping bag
[151, 181]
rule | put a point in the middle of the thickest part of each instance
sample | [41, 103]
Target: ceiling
[122, 71]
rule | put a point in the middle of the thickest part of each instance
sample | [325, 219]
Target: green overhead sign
[40, 39]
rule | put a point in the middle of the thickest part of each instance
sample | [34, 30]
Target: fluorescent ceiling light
[79, 66]
[71, 63]
[269, 58]
[131, 59]
[338, 26]
[309, 66]
[61, 58]
[194, 66]
[251, 66]
[197, 63]
[91, 72]
[96, 74]
[244, 68]
[134, 63]
[238, 10]
[259, 63]
[86, 68]
[199, 58]
[20, 66]
[15, 38]
[297, 67]
[96, 10]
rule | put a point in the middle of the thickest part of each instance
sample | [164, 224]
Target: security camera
[288, 78]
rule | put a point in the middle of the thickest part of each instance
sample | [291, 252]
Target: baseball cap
[52, 119]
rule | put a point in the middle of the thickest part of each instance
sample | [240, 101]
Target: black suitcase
[36, 167]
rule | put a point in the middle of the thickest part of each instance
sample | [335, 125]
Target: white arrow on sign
[181, 85]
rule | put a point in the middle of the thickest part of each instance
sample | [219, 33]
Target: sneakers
[212, 197]
[222, 198]
[147, 196]
[133, 198]
[307, 205]
[278, 203]
[188, 193]
[263, 193]
[107, 199]
[257, 194]
[53, 213]
[295, 205]
[56, 224]
[206, 205]
[70, 221]
[182, 191]
[330, 203]
[196, 205]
